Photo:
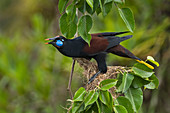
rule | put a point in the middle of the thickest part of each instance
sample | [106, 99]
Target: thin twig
[70, 80]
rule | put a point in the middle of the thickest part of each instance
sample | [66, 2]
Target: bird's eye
[59, 43]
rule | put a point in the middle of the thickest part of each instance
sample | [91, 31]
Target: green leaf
[151, 59]
[68, 29]
[127, 16]
[71, 13]
[106, 8]
[154, 82]
[119, 78]
[98, 10]
[139, 82]
[62, 5]
[119, 1]
[84, 26]
[126, 82]
[77, 107]
[90, 3]
[79, 95]
[90, 98]
[107, 84]
[136, 97]
[142, 70]
[121, 100]
[101, 4]
[120, 109]
[106, 98]
[104, 108]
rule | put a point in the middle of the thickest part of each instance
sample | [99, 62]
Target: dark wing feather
[113, 41]
[108, 34]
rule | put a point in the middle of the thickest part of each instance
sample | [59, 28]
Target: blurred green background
[34, 76]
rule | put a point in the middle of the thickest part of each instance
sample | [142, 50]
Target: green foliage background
[34, 77]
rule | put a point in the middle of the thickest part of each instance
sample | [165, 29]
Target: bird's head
[57, 41]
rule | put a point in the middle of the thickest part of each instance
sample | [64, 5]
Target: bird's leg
[93, 77]
[70, 79]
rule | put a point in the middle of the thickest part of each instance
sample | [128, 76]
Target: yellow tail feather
[148, 65]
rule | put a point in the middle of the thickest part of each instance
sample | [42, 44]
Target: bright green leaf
[106, 98]
[139, 82]
[84, 26]
[79, 95]
[90, 98]
[90, 3]
[62, 5]
[107, 84]
[142, 70]
[127, 16]
[119, 1]
[154, 82]
[121, 100]
[126, 82]
[120, 109]
[136, 97]
[68, 29]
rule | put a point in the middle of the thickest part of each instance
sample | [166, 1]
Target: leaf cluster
[129, 84]
[69, 21]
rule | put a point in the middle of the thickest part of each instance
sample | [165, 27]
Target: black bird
[100, 45]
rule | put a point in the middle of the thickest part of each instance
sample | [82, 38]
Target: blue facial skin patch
[59, 43]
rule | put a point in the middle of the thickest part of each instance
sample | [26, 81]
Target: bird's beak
[48, 43]
[50, 39]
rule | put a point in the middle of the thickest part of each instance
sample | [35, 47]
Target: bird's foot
[93, 77]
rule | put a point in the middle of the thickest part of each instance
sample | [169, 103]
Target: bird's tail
[147, 63]
[125, 37]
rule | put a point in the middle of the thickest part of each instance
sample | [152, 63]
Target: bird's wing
[101, 44]
[108, 34]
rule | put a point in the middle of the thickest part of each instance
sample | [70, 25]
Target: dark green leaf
[98, 10]
[126, 82]
[142, 70]
[71, 12]
[127, 16]
[120, 109]
[90, 98]
[106, 8]
[107, 84]
[77, 107]
[139, 82]
[79, 95]
[136, 97]
[119, 78]
[62, 5]
[101, 4]
[82, 6]
[68, 29]
[90, 3]
[121, 100]
[84, 26]
[154, 82]
[106, 98]
[103, 108]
